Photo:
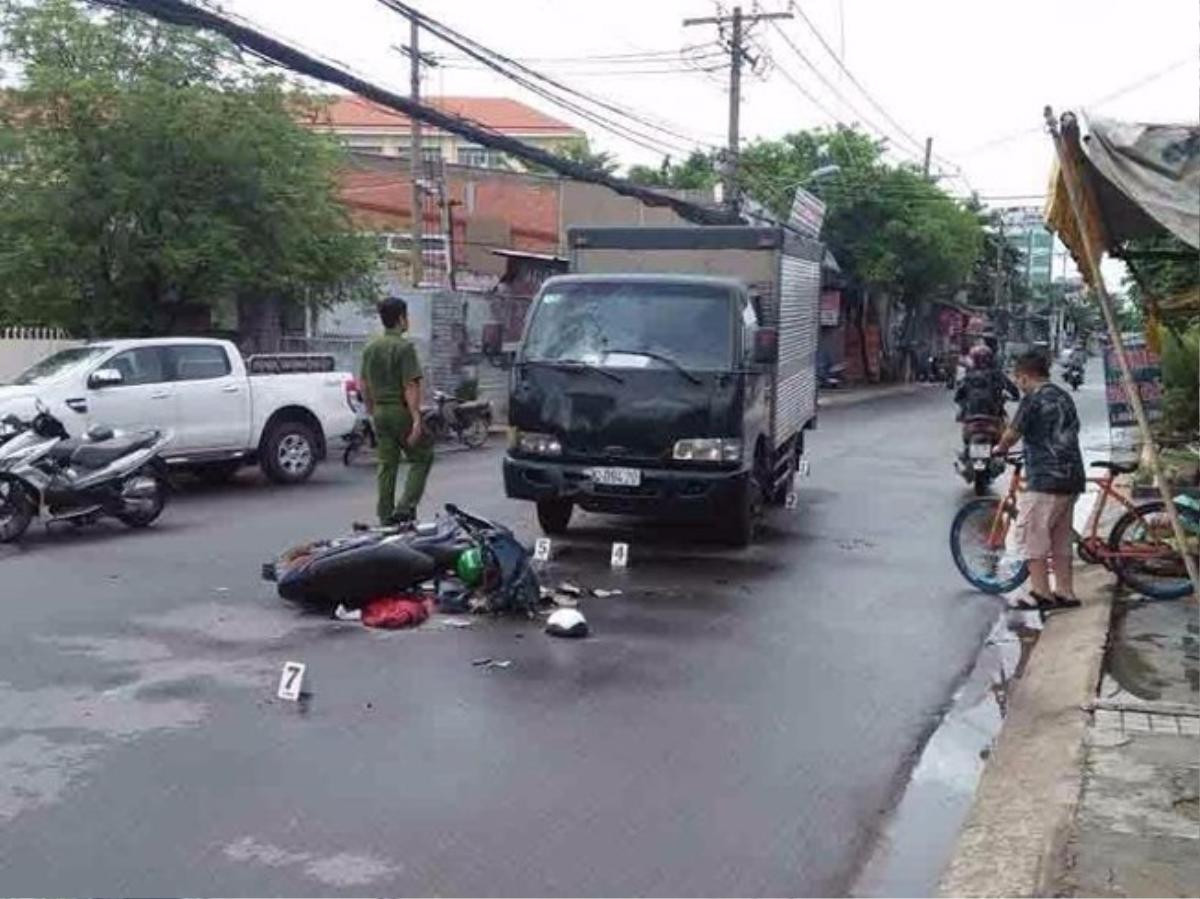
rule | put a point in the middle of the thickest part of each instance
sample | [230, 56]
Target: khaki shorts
[1044, 522]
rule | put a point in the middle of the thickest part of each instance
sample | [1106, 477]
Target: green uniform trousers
[392, 426]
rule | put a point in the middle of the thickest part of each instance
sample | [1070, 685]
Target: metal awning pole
[1075, 187]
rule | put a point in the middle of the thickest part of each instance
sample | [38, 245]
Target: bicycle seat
[1117, 467]
[441, 396]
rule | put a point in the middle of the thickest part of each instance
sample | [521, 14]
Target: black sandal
[1066, 602]
[1039, 603]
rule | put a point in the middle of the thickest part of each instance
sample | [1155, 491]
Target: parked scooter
[448, 419]
[45, 472]
[467, 421]
[976, 464]
[363, 434]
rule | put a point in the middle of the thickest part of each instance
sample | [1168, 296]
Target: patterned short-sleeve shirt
[1049, 426]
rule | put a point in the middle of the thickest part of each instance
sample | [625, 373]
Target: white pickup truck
[223, 411]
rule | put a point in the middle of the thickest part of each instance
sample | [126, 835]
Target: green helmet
[469, 566]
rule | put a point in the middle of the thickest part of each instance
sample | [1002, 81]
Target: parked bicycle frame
[1139, 550]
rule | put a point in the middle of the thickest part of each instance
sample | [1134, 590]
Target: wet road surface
[740, 722]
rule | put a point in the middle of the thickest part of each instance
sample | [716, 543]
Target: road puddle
[919, 836]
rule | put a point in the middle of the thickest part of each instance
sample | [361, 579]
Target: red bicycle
[1140, 549]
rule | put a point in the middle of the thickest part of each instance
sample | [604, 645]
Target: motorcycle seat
[98, 455]
[983, 419]
[64, 449]
[1117, 467]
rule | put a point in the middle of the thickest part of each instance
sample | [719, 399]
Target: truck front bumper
[667, 493]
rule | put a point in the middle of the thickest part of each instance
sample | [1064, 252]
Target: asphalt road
[739, 723]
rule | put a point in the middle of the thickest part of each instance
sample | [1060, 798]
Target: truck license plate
[617, 477]
[980, 451]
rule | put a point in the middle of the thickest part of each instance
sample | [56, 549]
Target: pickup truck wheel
[554, 515]
[289, 453]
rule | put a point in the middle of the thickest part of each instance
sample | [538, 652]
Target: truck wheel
[743, 520]
[289, 454]
[554, 515]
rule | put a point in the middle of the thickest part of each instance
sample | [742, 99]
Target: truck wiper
[650, 354]
[574, 365]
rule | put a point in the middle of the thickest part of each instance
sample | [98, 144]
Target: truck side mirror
[105, 377]
[766, 346]
[492, 340]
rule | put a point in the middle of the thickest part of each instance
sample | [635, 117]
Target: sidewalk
[1087, 792]
[1136, 831]
[851, 396]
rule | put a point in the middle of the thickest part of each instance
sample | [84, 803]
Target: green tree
[900, 239]
[699, 171]
[153, 171]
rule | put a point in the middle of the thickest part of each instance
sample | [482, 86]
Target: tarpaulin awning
[1144, 179]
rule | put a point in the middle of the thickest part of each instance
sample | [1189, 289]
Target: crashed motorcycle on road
[46, 473]
[353, 570]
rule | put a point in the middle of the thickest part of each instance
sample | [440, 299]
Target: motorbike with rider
[981, 397]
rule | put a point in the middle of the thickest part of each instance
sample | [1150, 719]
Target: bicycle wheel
[987, 566]
[1144, 554]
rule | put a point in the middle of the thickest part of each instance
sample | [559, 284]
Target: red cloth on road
[392, 612]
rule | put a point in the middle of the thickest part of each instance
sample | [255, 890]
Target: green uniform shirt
[389, 364]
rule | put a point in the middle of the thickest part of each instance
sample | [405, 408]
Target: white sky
[967, 72]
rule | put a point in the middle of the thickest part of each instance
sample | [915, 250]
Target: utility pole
[415, 157]
[928, 154]
[737, 54]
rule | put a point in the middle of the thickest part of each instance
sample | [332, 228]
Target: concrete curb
[839, 398]
[1027, 795]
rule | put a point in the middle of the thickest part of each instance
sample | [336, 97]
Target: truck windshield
[635, 324]
[61, 363]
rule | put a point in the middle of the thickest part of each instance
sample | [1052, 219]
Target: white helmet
[567, 623]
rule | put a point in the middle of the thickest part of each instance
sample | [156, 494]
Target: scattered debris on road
[489, 662]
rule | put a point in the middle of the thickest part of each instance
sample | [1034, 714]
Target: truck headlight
[535, 444]
[708, 449]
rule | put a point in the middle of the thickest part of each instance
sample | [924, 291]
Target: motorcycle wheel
[16, 511]
[475, 434]
[148, 510]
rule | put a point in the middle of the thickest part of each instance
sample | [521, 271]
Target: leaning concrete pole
[1076, 186]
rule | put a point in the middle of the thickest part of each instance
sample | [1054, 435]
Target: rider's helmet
[981, 356]
[469, 566]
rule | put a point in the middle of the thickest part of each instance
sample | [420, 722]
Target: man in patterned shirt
[1048, 424]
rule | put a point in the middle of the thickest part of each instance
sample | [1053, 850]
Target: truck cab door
[213, 398]
[756, 415]
[142, 398]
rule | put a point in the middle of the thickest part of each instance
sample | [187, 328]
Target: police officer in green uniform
[391, 378]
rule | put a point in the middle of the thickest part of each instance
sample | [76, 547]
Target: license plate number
[980, 451]
[617, 477]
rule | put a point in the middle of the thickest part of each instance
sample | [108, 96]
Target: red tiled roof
[498, 113]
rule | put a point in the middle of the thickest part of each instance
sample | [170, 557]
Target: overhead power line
[283, 54]
[917, 144]
[833, 89]
[524, 75]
